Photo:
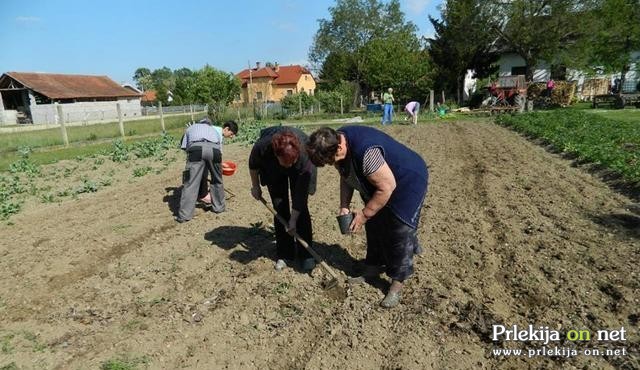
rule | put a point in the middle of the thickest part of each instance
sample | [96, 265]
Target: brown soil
[512, 234]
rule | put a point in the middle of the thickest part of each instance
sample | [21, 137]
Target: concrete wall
[8, 117]
[87, 111]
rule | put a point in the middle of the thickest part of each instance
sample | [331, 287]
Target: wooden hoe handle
[302, 242]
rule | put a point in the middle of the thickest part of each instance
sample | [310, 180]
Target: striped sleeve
[372, 161]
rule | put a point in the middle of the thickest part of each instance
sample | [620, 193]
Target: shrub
[293, 103]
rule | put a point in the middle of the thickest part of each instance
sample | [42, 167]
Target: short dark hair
[286, 146]
[323, 146]
[232, 125]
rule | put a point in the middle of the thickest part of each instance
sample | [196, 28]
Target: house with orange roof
[272, 83]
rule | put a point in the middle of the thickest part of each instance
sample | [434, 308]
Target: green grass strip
[11, 142]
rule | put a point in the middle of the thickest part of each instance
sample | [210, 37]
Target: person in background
[279, 161]
[203, 144]
[392, 182]
[412, 109]
[228, 130]
[387, 99]
[551, 84]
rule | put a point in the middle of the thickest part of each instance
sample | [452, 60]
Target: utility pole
[250, 82]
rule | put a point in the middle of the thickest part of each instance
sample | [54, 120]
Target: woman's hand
[293, 221]
[256, 192]
[359, 219]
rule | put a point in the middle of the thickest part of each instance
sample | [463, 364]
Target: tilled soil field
[512, 235]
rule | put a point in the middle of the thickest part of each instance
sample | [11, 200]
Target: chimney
[257, 65]
[277, 67]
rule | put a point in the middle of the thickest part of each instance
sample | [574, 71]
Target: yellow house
[271, 84]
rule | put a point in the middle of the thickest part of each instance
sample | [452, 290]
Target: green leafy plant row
[612, 144]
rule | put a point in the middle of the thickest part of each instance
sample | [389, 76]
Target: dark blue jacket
[408, 168]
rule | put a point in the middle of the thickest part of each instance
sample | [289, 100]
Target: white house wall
[508, 61]
[86, 111]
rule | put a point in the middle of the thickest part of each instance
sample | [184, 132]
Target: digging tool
[334, 277]
[230, 193]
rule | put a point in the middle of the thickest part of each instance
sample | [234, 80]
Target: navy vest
[408, 168]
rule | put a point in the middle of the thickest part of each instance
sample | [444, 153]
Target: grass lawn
[627, 114]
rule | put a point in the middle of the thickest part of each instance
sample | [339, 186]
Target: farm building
[588, 85]
[32, 97]
[272, 83]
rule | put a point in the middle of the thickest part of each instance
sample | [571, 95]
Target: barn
[27, 97]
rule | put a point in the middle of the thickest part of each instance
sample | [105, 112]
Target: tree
[185, 83]
[540, 30]
[142, 77]
[452, 50]
[394, 61]
[338, 66]
[216, 88]
[339, 46]
[617, 36]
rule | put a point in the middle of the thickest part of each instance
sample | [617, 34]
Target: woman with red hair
[279, 161]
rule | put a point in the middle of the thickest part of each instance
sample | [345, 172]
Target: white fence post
[161, 116]
[65, 138]
[120, 123]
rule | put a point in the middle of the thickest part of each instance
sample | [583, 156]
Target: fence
[153, 110]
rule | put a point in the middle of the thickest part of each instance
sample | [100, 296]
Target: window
[305, 77]
[559, 72]
[259, 95]
[289, 92]
[518, 71]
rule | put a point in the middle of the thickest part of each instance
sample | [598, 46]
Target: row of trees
[204, 86]
[370, 43]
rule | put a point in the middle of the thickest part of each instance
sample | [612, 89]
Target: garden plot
[513, 235]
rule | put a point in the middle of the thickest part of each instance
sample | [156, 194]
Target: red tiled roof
[284, 76]
[149, 96]
[60, 86]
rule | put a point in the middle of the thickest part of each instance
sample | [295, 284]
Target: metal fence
[153, 110]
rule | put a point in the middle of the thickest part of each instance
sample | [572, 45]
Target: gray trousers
[203, 158]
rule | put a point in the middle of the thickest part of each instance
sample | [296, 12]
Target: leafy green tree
[541, 30]
[163, 78]
[338, 66]
[162, 94]
[185, 83]
[452, 50]
[142, 77]
[341, 44]
[394, 61]
[616, 37]
[216, 88]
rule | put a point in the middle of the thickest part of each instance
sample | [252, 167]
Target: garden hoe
[331, 284]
